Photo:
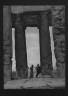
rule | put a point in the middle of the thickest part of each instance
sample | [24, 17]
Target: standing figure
[38, 70]
[31, 71]
[28, 72]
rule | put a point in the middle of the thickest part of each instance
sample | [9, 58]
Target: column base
[7, 75]
[61, 72]
[22, 74]
[46, 71]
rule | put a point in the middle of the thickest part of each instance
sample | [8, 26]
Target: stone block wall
[58, 22]
[7, 29]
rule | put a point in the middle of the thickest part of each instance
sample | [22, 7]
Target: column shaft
[45, 48]
[20, 48]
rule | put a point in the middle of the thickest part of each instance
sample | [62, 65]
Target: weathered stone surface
[20, 48]
[7, 75]
[30, 20]
[45, 48]
[58, 17]
[36, 83]
[7, 31]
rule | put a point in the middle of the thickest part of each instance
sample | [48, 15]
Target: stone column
[20, 48]
[58, 17]
[45, 47]
[7, 53]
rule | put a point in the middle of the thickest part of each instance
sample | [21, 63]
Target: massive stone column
[45, 48]
[7, 43]
[58, 18]
[20, 48]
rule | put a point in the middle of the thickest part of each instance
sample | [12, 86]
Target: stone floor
[36, 83]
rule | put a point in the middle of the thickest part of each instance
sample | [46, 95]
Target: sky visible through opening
[33, 47]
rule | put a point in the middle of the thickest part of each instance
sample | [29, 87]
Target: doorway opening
[52, 48]
[13, 50]
[32, 47]
[13, 55]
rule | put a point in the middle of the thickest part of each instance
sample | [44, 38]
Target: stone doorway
[19, 23]
[32, 19]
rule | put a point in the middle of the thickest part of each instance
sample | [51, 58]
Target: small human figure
[28, 72]
[31, 71]
[38, 70]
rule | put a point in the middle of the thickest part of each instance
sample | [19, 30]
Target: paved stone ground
[36, 83]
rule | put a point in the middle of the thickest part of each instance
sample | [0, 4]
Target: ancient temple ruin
[42, 17]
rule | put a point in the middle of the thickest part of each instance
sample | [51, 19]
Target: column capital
[18, 18]
[44, 16]
[44, 13]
